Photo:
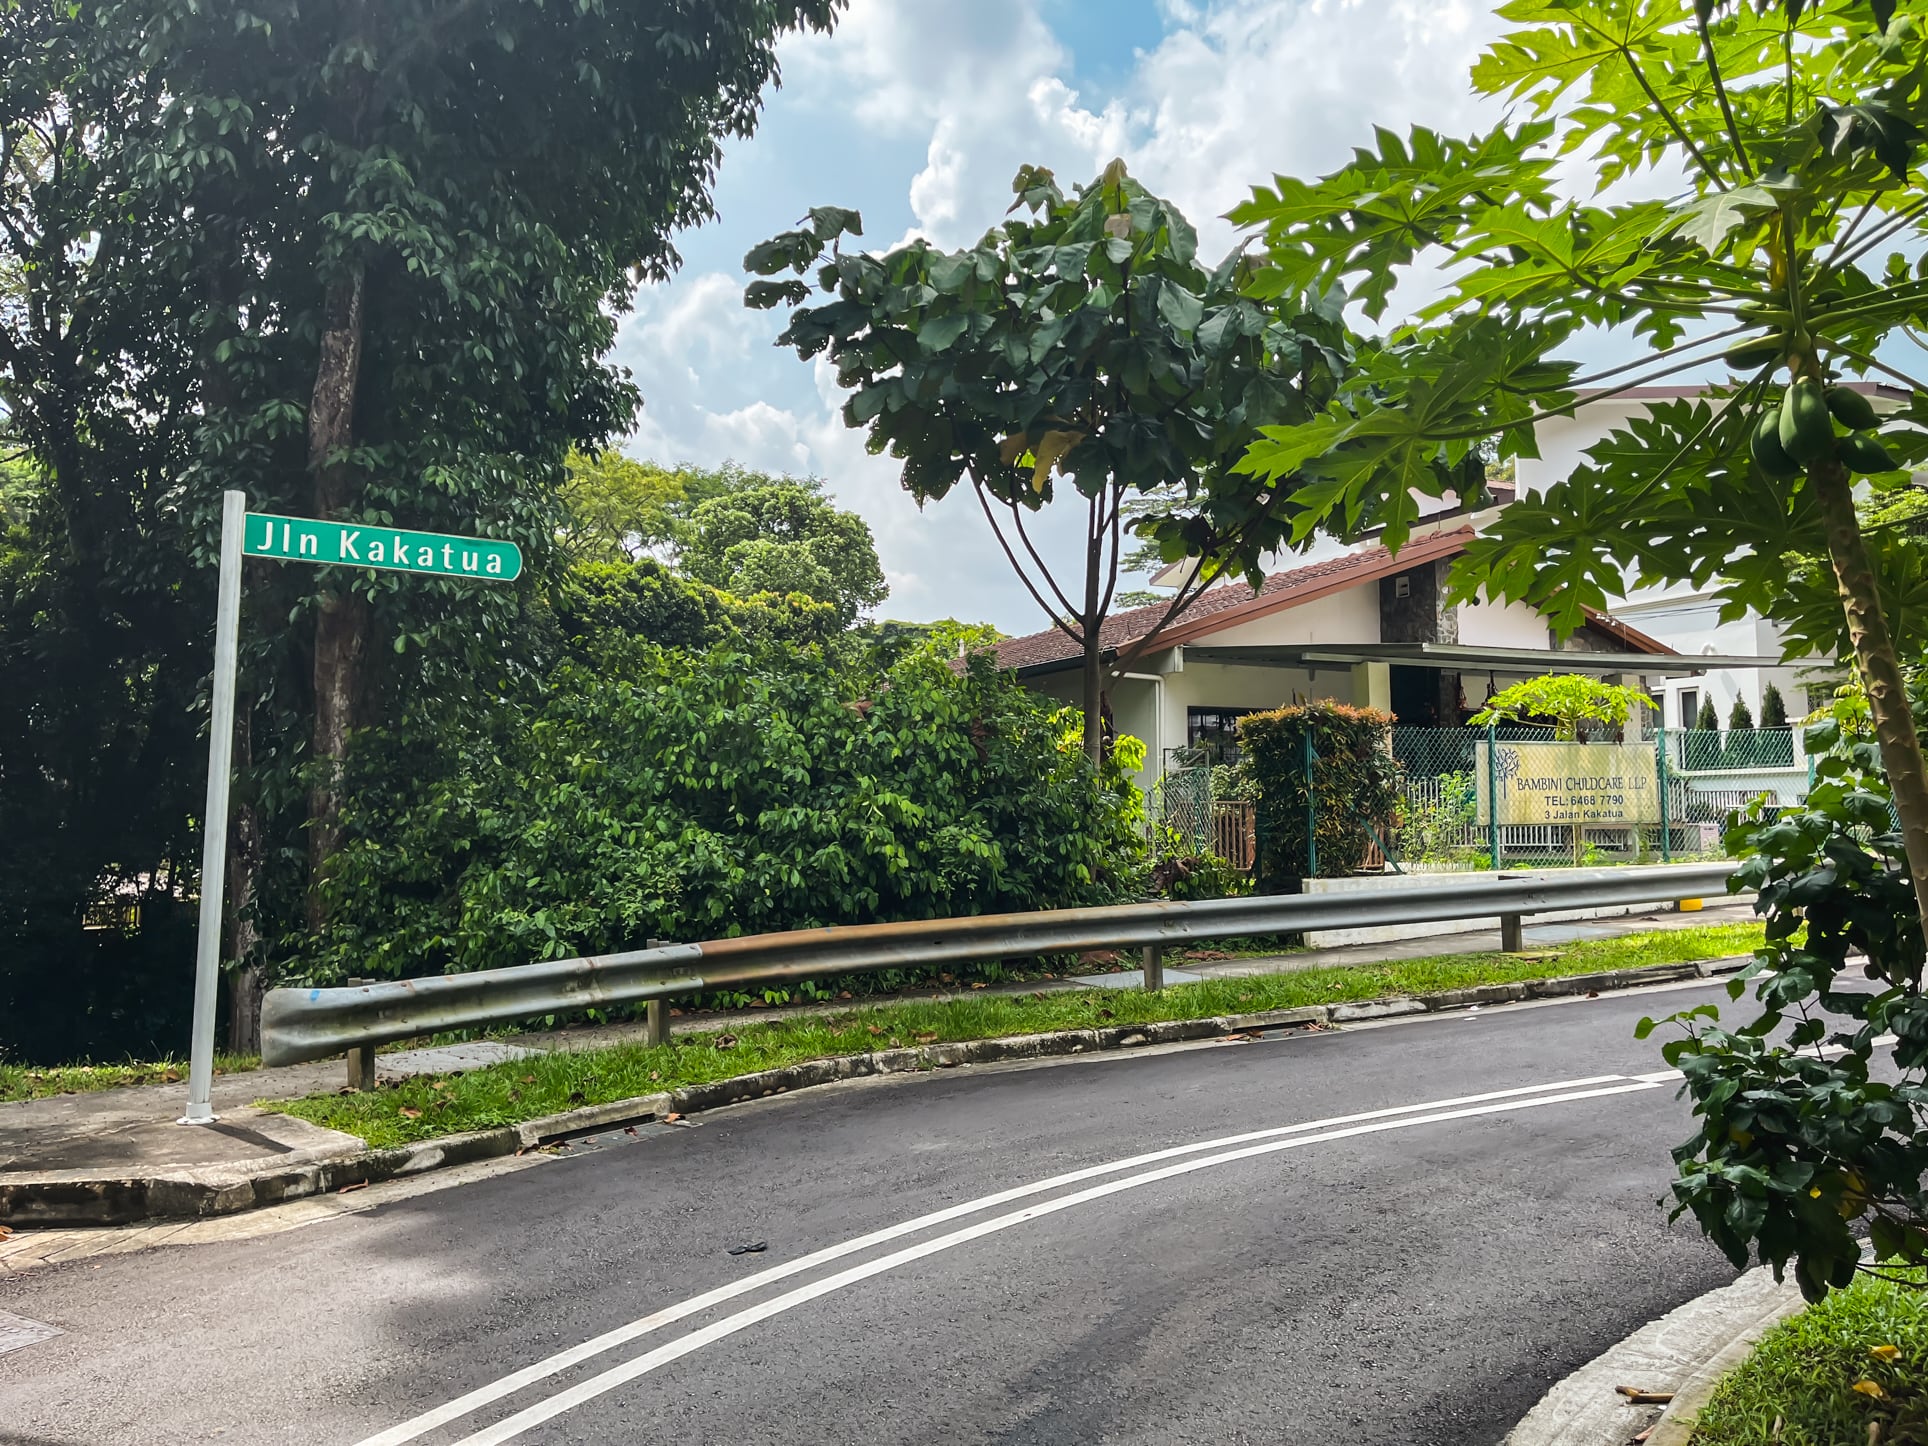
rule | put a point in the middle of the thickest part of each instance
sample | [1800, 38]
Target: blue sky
[918, 112]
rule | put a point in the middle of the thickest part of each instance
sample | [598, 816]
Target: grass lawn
[427, 1106]
[33, 1082]
[1799, 1386]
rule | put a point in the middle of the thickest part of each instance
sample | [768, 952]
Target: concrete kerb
[74, 1198]
[1686, 1353]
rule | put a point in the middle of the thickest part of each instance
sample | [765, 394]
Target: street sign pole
[214, 821]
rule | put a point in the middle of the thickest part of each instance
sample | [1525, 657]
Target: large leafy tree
[1787, 258]
[1787, 252]
[364, 261]
[784, 538]
[1079, 354]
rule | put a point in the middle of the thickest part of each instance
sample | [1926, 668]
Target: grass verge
[34, 1082]
[1799, 1388]
[427, 1106]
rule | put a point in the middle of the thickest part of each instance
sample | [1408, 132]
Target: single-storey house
[1368, 627]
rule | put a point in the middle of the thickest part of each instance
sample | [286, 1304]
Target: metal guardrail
[304, 1024]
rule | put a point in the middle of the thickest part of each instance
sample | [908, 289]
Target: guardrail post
[1512, 934]
[657, 1010]
[361, 1060]
[1154, 967]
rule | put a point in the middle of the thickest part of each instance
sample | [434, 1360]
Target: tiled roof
[1282, 590]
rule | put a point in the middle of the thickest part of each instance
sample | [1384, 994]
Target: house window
[1689, 706]
[1215, 731]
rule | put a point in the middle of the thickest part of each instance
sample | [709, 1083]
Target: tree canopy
[782, 538]
[1079, 354]
[364, 262]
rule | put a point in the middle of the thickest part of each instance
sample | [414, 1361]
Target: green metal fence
[1504, 796]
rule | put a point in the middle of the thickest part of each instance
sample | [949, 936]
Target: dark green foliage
[190, 193]
[1707, 720]
[1799, 1149]
[1739, 719]
[1773, 708]
[693, 798]
[1354, 784]
[642, 600]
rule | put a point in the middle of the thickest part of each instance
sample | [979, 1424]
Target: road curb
[1686, 1353]
[190, 1193]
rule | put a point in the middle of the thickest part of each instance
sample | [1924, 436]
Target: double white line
[1129, 1174]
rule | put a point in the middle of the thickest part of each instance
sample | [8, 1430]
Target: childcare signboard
[304, 539]
[1571, 783]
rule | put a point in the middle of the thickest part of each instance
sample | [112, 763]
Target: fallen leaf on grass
[655, 1074]
[1870, 1388]
[978, 984]
[441, 1084]
[528, 1079]
[929, 1038]
[875, 1029]
[726, 1041]
[1037, 994]
[1884, 1353]
[896, 1043]
[845, 994]
[1106, 1014]
[409, 1112]
[576, 1097]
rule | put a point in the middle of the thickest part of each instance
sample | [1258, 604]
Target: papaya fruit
[1852, 410]
[1765, 446]
[1754, 353]
[1806, 430]
[1861, 453]
[1828, 296]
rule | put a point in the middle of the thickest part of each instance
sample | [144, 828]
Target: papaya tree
[1784, 257]
[1079, 354]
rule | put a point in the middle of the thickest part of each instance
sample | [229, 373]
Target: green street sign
[303, 539]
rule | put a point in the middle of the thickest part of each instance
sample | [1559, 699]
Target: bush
[1796, 1145]
[1355, 783]
[704, 797]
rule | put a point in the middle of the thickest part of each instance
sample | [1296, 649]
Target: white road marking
[1278, 1138]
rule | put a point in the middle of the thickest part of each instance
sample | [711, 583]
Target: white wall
[1502, 625]
[1351, 616]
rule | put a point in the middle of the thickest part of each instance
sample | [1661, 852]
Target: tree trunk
[1094, 697]
[342, 623]
[245, 982]
[1874, 654]
[1092, 625]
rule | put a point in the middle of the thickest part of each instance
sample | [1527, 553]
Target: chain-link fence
[1489, 798]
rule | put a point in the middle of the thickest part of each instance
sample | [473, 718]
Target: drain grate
[17, 1332]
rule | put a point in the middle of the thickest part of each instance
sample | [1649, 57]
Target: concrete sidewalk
[119, 1152]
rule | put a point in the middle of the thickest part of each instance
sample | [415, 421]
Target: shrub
[702, 797]
[1773, 708]
[1798, 1143]
[1355, 782]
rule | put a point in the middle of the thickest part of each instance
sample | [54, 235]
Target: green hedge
[1354, 780]
[697, 797]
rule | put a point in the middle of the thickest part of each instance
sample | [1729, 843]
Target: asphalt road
[1419, 1276]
